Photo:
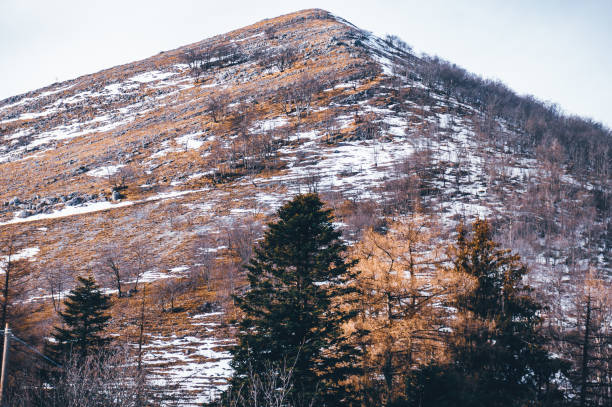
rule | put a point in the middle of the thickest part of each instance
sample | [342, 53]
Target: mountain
[189, 152]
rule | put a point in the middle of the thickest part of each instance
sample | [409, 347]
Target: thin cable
[53, 362]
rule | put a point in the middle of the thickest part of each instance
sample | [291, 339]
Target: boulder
[23, 214]
[116, 195]
[74, 201]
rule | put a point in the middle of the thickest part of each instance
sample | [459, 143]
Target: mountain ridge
[192, 150]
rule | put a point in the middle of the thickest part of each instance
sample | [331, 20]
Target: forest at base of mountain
[159, 177]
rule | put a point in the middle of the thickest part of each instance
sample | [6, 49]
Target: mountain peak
[193, 149]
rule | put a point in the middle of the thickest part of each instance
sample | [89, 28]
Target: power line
[33, 349]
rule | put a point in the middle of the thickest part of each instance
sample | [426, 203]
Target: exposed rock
[74, 201]
[116, 195]
[23, 214]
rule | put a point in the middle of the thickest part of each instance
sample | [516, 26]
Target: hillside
[178, 160]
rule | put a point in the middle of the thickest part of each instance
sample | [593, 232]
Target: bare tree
[217, 105]
[140, 260]
[119, 178]
[331, 125]
[141, 326]
[298, 97]
[241, 237]
[114, 266]
[107, 379]
[283, 59]
[57, 278]
[173, 212]
[270, 32]
[204, 253]
[195, 60]
[16, 275]
[168, 293]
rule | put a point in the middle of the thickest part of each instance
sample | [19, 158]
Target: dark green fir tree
[499, 353]
[292, 313]
[84, 319]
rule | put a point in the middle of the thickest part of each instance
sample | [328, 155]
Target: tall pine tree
[498, 354]
[292, 313]
[497, 344]
[84, 320]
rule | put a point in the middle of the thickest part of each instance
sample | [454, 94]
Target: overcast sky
[558, 50]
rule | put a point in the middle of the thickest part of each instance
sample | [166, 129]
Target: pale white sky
[557, 50]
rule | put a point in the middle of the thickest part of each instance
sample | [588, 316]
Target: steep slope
[189, 151]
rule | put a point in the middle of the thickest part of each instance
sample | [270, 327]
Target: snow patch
[70, 211]
[151, 76]
[24, 254]
[106, 171]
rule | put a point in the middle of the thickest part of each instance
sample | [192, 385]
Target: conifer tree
[400, 284]
[292, 313]
[84, 320]
[499, 357]
[496, 340]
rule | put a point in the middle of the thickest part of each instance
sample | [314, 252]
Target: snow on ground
[380, 53]
[151, 76]
[120, 88]
[99, 206]
[70, 211]
[190, 141]
[154, 275]
[353, 166]
[193, 365]
[30, 116]
[172, 194]
[262, 126]
[104, 171]
[35, 98]
[248, 38]
[23, 254]
[64, 132]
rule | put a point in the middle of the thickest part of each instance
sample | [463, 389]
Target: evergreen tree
[499, 355]
[84, 320]
[292, 313]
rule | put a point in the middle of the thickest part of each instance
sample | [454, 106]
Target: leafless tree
[115, 266]
[141, 325]
[14, 282]
[331, 125]
[108, 379]
[311, 180]
[204, 253]
[173, 212]
[270, 32]
[168, 293]
[241, 236]
[272, 387]
[398, 43]
[283, 59]
[120, 178]
[57, 279]
[140, 260]
[298, 97]
[218, 55]
[195, 60]
[217, 105]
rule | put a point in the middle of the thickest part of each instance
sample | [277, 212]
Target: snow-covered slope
[213, 137]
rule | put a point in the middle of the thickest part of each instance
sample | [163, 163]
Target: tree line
[400, 321]
[396, 319]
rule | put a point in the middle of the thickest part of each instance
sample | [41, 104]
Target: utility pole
[5, 353]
